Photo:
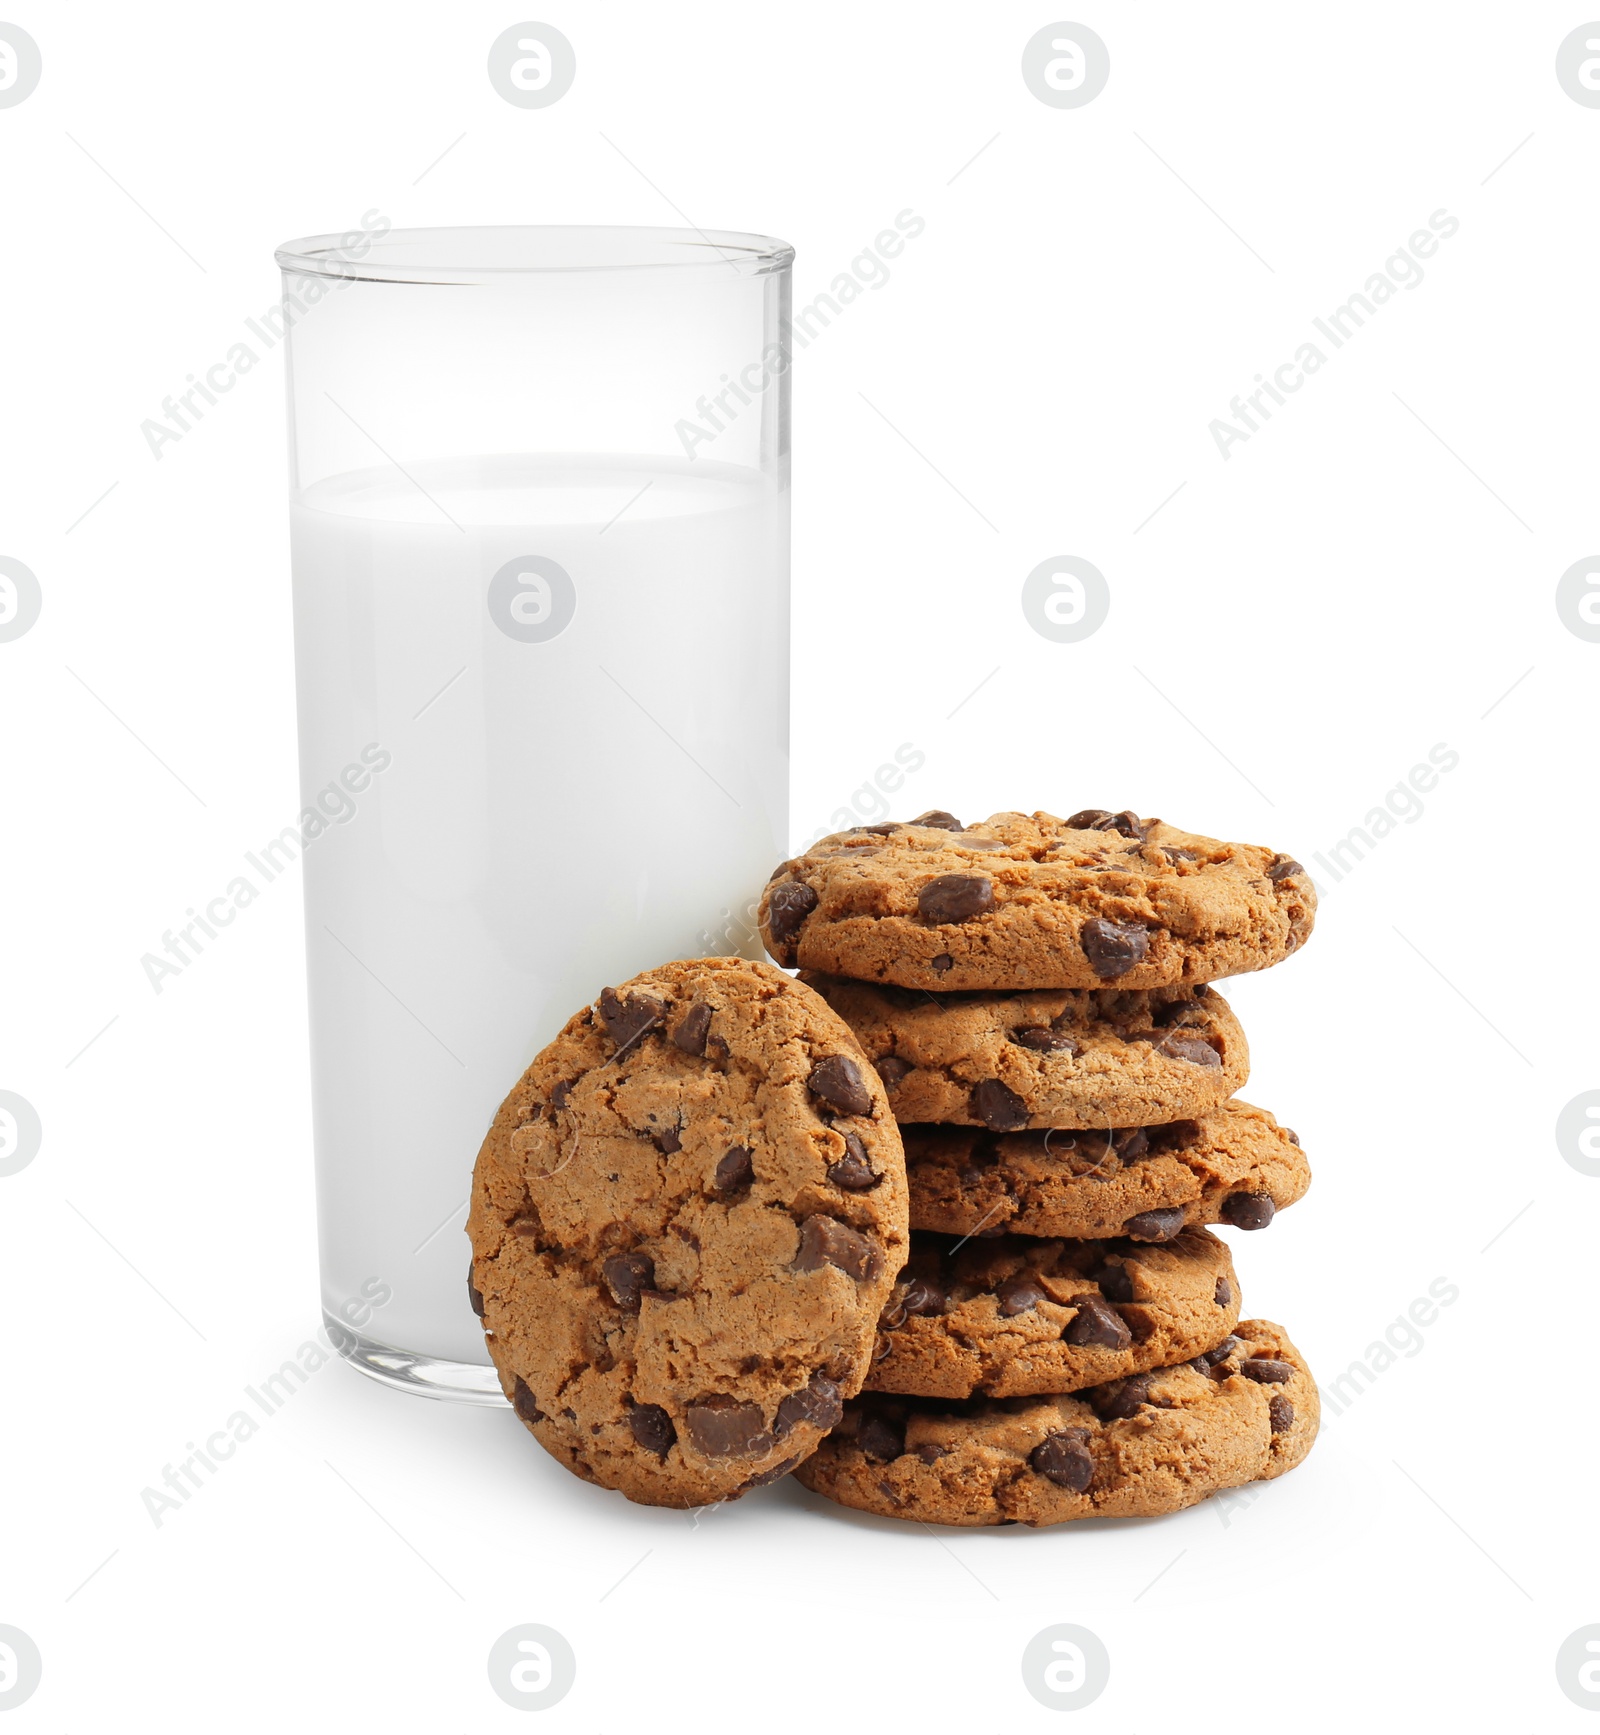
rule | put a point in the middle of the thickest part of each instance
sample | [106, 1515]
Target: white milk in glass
[532, 819]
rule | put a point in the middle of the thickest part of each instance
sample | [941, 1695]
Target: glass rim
[486, 255]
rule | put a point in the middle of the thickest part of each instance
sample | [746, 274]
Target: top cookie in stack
[1032, 901]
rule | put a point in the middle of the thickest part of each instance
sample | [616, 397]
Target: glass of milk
[540, 500]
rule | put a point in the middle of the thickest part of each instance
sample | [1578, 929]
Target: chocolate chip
[1090, 819]
[693, 1028]
[1113, 948]
[818, 1403]
[1124, 1401]
[721, 1427]
[627, 1276]
[852, 1171]
[929, 1453]
[826, 1241]
[879, 1438]
[998, 1106]
[892, 1069]
[923, 1296]
[1223, 1293]
[1291, 1135]
[1249, 1210]
[652, 1428]
[1130, 1143]
[1211, 1358]
[1116, 1282]
[1130, 824]
[1280, 1412]
[837, 1080]
[1019, 1294]
[628, 1022]
[1283, 867]
[1043, 1040]
[1267, 1370]
[669, 1141]
[788, 906]
[1160, 1225]
[941, 963]
[558, 1097]
[473, 1296]
[938, 819]
[733, 1174]
[880, 830]
[1064, 1458]
[1098, 1325]
[522, 1401]
[955, 897]
[1176, 854]
[1183, 1045]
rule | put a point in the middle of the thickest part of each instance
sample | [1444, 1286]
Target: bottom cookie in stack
[1135, 1447]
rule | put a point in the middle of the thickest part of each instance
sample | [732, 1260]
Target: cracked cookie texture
[1152, 1443]
[1049, 1057]
[1014, 1316]
[686, 1221]
[1237, 1166]
[1031, 901]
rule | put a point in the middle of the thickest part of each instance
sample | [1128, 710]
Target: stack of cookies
[1065, 1339]
[930, 1225]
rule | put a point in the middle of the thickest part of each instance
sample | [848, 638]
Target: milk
[565, 802]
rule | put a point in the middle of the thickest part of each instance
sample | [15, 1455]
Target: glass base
[424, 1375]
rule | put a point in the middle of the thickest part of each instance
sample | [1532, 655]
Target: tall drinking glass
[539, 489]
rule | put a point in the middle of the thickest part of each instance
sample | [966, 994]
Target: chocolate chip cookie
[1032, 901]
[1156, 1442]
[1015, 1316]
[686, 1220]
[1237, 1166]
[1049, 1057]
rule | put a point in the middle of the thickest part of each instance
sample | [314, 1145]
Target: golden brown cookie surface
[1032, 901]
[685, 1222]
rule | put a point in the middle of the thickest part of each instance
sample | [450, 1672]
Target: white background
[1370, 574]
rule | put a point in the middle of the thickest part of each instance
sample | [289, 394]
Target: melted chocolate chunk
[734, 1173]
[669, 1141]
[1090, 819]
[1213, 1358]
[1180, 1044]
[653, 1428]
[923, 1296]
[1097, 1325]
[837, 1080]
[817, 1402]
[627, 1276]
[1160, 1225]
[1117, 1405]
[826, 1241]
[1248, 1210]
[721, 1427]
[1064, 1458]
[941, 963]
[788, 906]
[1280, 1412]
[1116, 1282]
[1283, 867]
[522, 1401]
[1019, 1294]
[938, 819]
[955, 897]
[473, 1295]
[1113, 948]
[1223, 1294]
[1043, 1040]
[879, 1438]
[1267, 1370]
[693, 1028]
[892, 1070]
[628, 1022]
[998, 1106]
[930, 1453]
[853, 1172]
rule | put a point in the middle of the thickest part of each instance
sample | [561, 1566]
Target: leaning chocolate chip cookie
[1048, 1057]
[1015, 1316]
[1246, 1411]
[686, 1220]
[1237, 1166]
[1032, 901]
